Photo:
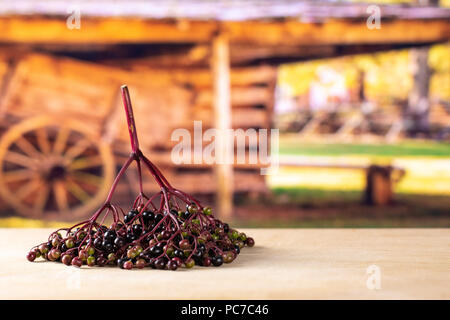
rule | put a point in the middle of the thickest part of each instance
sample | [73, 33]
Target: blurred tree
[416, 116]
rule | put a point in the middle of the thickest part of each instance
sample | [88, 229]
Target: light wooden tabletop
[284, 264]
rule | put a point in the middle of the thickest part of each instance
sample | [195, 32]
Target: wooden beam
[103, 30]
[220, 65]
[294, 32]
[288, 32]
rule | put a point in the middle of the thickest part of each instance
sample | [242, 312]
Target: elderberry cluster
[179, 232]
[147, 238]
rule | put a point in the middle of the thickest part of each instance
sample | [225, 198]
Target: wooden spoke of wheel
[78, 148]
[42, 140]
[61, 140]
[27, 147]
[20, 159]
[77, 191]
[17, 175]
[59, 190]
[85, 163]
[87, 178]
[41, 200]
[27, 188]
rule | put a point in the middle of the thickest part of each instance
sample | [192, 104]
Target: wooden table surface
[284, 264]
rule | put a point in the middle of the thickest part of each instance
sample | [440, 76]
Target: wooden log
[220, 67]
[240, 117]
[240, 96]
[287, 32]
[200, 78]
[203, 182]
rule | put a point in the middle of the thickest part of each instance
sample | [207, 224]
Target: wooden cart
[64, 130]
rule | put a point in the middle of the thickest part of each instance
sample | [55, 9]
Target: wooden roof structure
[263, 22]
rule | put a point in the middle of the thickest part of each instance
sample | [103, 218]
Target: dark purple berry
[217, 261]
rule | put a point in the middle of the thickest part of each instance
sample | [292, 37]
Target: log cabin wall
[252, 98]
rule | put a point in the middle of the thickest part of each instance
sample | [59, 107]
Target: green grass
[403, 149]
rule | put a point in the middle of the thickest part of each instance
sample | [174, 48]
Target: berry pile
[167, 230]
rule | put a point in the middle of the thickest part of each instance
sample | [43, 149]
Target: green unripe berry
[132, 253]
[111, 257]
[192, 209]
[55, 242]
[37, 253]
[81, 235]
[207, 211]
[189, 263]
[70, 243]
[90, 261]
[90, 251]
[43, 248]
[138, 249]
[170, 252]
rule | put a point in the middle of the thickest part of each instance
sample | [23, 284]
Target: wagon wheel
[54, 169]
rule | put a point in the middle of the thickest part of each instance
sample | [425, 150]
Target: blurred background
[360, 92]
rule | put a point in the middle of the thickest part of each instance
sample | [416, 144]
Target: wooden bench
[379, 178]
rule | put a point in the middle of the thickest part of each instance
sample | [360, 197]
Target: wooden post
[378, 185]
[220, 65]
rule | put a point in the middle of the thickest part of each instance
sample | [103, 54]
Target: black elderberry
[148, 216]
[121, 261]
[131, 237]
[197, 254]
[109, 235]
[217, 261]
[98, 243]
[119, 242]
[107, 246]
[137, 229]
[127, 219]
[179, 253]
[160, 263]
[156, 251]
